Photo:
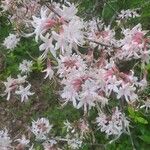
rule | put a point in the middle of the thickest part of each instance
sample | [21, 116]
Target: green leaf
[145, 138]
[141, 120]
[109, 10]
[131, 111]
[136, 116]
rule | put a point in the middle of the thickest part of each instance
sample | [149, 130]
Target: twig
[31, 56]
[131, 139]
[99, 43]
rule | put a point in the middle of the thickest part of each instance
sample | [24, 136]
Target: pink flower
[48, 70]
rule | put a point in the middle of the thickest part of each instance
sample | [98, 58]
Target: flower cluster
[6, 143]
[62, 32]
[134, 45]
[25, 66]
[5, 140]
[11, 41]
[76, 133]
[87, 86]
[113, 125]
[41, 128]
[18, 86]
[85, 57]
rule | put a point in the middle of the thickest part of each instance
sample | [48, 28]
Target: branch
[99, 43]
[53, 10]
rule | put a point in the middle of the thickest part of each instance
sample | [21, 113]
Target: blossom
[146, 105]
[23, 142]
[128, 92]
[83, 126]
[11, 41]
[101, 121]
[48, 70]
[73, 32]
[75, 143]
[68, 12]
[41, 128]
[24, 92]
[49, 145]
[10, 86]
[43, 23]
[67, 63]
[25, 66]
[114, 124]
[72, 85]
[132, 44]
[125, 14]
[69, 36]
[105, 36]
[112, 85]
[5, 140]
[145, 56]
[61, 41]
[143, 83]
[20, 79]
[88, 95]
[47, 46]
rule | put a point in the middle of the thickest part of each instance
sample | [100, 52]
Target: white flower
[47, 46]
[133, 44]
[143, 83]
[69, 94]
[48, 70]
[128, 92]
[25, 66]
[24, 92]
[23, 142]
[146, 105]
[10, 85]
[21, 79]
[48, 145]
[114, 125]
[88, 95]
[112, 85]
[11, 41]
[61, 41]
[102, 121]
[106, 36]
[73, 32]
[68, 13]
[41, 128]
[5, 141]
[125, 14]
[145, 56]
[42, 23]
[72, 85]
[67, 63]
[70, 36]
[75, 143]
